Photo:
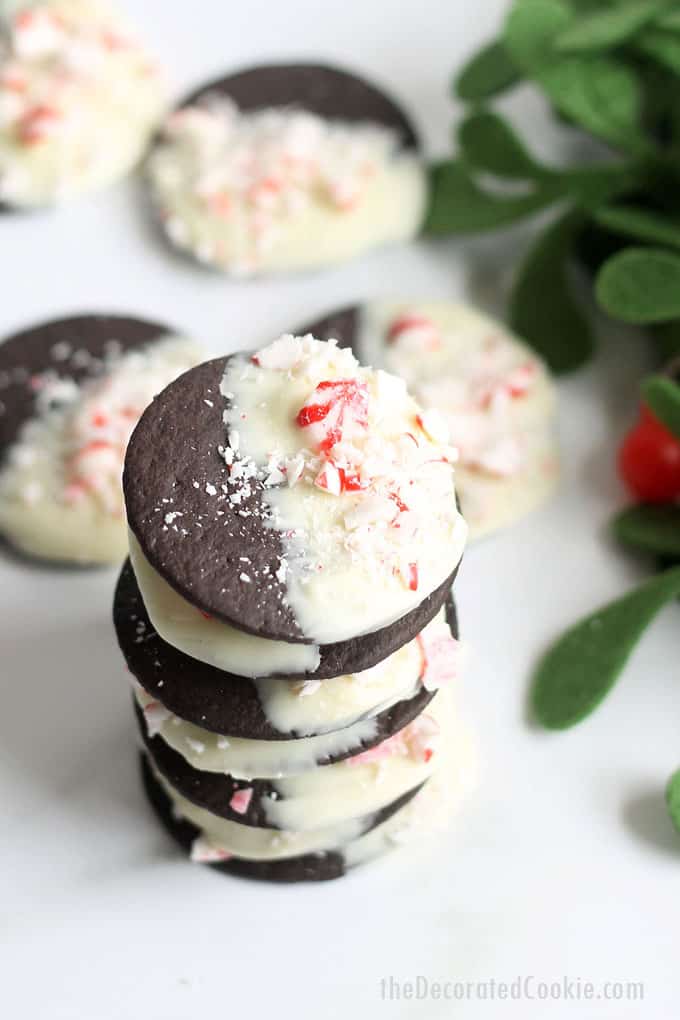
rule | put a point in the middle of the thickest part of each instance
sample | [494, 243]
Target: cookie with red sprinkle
[71, 392]
[286, 167]
[494, 392]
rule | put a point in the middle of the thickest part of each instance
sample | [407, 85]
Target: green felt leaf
[640, 223]
[531, 29]
[640, 285]
[667, 338]
[662, 397]
[653, 529]
[542, 307]
[607, 28]
[489, 143]
[673, 799]
[487, 74]
[459, 206]
[660, 46]
[601, 94]
[580, 669]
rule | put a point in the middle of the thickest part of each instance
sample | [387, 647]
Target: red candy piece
[35, 125]
[413, 576]
[335, 479]
[649, 461]
[411, 321]
[336, 406]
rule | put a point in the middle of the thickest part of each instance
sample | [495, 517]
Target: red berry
[649, 461]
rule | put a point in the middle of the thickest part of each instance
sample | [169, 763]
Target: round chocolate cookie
[71, 392]
[307, 165]
[197, 544]
[73, 349]
[313, 867]
[221, 701]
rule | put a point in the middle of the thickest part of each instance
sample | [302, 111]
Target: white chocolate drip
[213, 641]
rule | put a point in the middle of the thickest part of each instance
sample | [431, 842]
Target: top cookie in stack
[293, 522]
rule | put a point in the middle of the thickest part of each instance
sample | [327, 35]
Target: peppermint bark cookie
[79, 100]
[281, 505]
[295, 495]
[287, 167]
[495, 393]
[71, 392]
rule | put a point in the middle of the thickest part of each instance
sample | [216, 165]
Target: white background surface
[563, 863]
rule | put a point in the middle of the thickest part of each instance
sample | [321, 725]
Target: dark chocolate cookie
[172, 456]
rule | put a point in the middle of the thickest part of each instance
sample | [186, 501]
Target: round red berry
[649, 461]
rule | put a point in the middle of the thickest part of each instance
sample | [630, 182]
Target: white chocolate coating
[300, 708]
[282, 189]
[60, 487]
[317, 706]
[213, 641]
[79, 99]
[324, 808]
[320, 794]
[250, 759]
[495, 392]
[259, 844]
[372, 552]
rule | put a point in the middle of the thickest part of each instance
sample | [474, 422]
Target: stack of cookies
[286, 610]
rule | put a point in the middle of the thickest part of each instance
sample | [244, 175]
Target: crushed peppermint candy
[417, 741]
[78, 98]
[441, 656]
[77, 440]
[155, 716]
[240, 800]
[205, 852]
[229, 183]
[391, 479]
[475, 376]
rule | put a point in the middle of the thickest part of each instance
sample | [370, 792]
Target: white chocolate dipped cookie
[288, 510]
[286, 168]
[79, 100]
[496, 394]
[305, 499]
[71, 392]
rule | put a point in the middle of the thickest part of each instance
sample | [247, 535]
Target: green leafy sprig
[611, 69]
[580, 669]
